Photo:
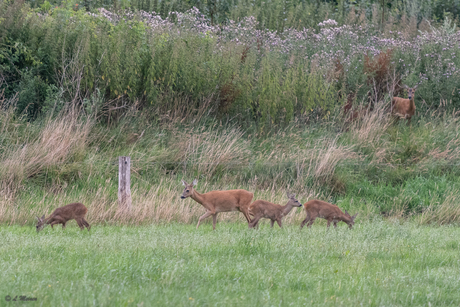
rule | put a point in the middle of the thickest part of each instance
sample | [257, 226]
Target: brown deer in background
[264, 209]
[317, 208]
[74, 211]
[219, 201]
[404, 108]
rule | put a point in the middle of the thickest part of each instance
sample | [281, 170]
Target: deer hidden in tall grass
[404, 108]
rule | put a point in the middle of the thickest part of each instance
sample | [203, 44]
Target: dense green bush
[184, 62]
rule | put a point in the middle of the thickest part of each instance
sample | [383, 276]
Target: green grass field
[378, 263]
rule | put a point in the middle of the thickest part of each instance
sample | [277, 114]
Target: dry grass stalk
[209, 151]
[159, 204]
[61, 140]
[372, 127]
[443, 213]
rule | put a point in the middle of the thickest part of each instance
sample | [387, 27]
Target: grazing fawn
[218, 201]
[74, 211]
[317, 208]
[404, 108]
[264, 209]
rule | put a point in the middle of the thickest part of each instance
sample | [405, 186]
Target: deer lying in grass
[264, 209]
[74, 211]
[219, 201]
[404, 108]
[317, 208]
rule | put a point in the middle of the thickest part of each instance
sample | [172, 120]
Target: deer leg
[54, 222]
[329, 223]
[57, 220]
[86, 224]
[271, 223]
[254, 222]
[246, 214]
[80, 224]
[335, 224]
[214, 221]
[279, 223]
[303, 223]
[206, 215]
[307, 219]
[312, 220]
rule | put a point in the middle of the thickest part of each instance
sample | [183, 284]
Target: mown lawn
[378, 263]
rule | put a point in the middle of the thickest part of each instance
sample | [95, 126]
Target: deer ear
[37, 218]
[405, 86]
[346, 212]
[415, 87]
[194, 182]
[184, 183]
[354, 216]
[43, 216]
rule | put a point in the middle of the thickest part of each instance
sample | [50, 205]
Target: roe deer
[317, 208]
[404, 108]
[219, 201]
[274, 212]
[74, 211]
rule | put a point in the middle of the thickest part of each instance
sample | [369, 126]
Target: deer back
[227, 199]
[265, 209]
[323, 209]
[71, 211]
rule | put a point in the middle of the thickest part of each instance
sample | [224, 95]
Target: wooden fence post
[124, 183]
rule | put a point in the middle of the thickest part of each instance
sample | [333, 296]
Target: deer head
[40, 223]
[351, 219]
[410, 91]
[188, 190]
[293, 201]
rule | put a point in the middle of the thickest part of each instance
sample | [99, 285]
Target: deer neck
[345, 218]
[286, 209]
[47, 220]
[412, 104]
[197, 197]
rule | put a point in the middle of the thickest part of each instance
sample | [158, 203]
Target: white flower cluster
[329, 22]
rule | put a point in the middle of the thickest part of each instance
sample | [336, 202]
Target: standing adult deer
[219, 201]
[264, 209]
[404, 108]
[74, 211]
[317, 208]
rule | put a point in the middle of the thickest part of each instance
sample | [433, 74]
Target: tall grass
[59, 143]
[374, 167]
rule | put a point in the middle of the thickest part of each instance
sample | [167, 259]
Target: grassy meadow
[378, 263]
